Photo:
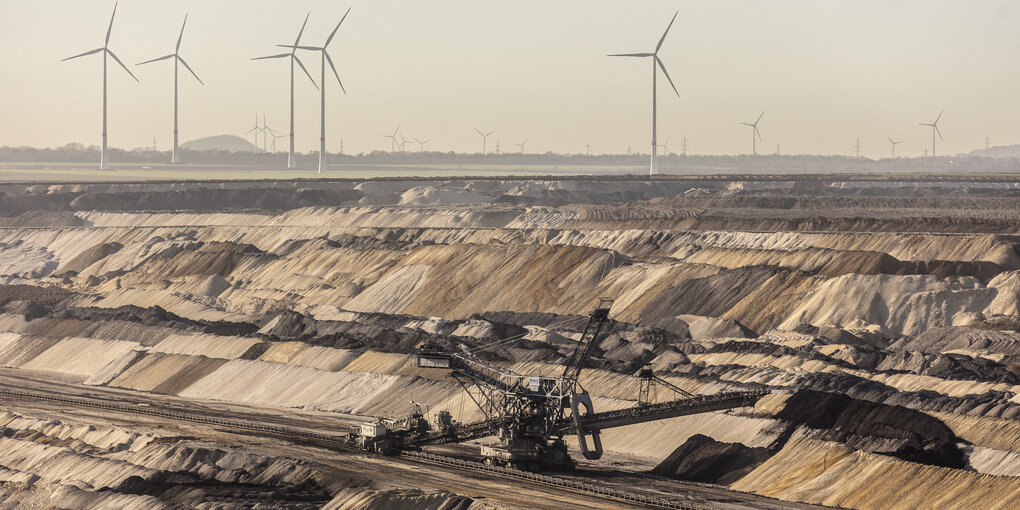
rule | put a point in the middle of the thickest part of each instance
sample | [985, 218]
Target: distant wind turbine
[393, 139]
[175, 155]
[256, 130]
[323, 50]
[104, 163]
[665, 147]
[754, 133]
[893, 145]
[522, 144]
[656, 62]
[275, 138]
[291, 159]
[266, 131]
[484, 136]
[587, 148]
[934, 129]
[421, 144]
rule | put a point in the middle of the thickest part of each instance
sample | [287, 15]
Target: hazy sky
[823, 72]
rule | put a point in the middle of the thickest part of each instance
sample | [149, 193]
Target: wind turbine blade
[156, 59]
[746, 124]
[273, 56]
[479, 132]
[298, 60]
[939, 117]
[121, 64]
[178, 48]
[331, 66]
[759, 118]
[190, 70]
[298, 40]
[890, 140]
[937, 131]
[312, 48]
[110, 29]
[663, 38]
[427, 141]
[663, 67]
[758, 133]
[330, 38]
[97, 50]
[490, 132]
[630, 55]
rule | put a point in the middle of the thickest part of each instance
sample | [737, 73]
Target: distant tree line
[672, 163]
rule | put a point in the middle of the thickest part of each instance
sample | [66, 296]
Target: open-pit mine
[768, 341]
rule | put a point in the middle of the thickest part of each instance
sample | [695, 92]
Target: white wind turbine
[175, 155]
[257, 129]
[421, 144]
[266, 131]
[521, 145]
[104, 163]
[934, 129]
[656, 64]
[894, 143]
[484, 136]
[393, 139]
[323, 50]
[754, 133]
[291, 160]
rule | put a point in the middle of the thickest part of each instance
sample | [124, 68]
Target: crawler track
[339, 443]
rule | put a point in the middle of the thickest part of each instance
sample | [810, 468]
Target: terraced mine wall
[883, 314]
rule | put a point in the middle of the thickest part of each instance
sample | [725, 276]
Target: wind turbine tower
[754, 133]
[656, 65]
[266, 131]
[291, 159]
[484, 136]
[257, 129]
[393, 139]
[104, 163]
[934, 129]
[893, 143]
[175, 156]
[587, 148]
[323, 50]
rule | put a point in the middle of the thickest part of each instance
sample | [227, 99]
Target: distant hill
[1002, 151]
[229, 143]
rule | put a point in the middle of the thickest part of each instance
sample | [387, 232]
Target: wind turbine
[893, 145]
[656, 62]
[754, 132]
[104, 163]
[484, 136]
[276, 137]
[266, 131]
[421, 144]
[257, 129]
[324, 53]
[175, 156]
[291, 160]
[521, 145]
[934, 129]
[403, 142]
[393, 139]
[665, 147]
[587, 148]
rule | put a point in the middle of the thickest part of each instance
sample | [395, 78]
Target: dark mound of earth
[703, 459]
[893, 430]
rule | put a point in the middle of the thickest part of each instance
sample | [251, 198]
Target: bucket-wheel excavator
[530, 414]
